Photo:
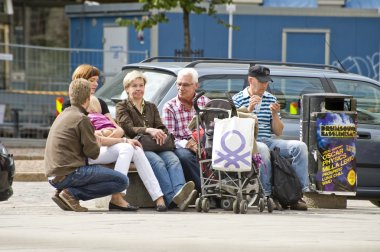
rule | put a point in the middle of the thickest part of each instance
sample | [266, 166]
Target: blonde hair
[85, 71]
[79, 91]
[132, 76]
[94, 106]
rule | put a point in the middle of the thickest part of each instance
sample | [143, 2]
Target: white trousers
[122, 154]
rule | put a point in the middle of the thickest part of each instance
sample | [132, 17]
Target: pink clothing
[177, 118]
[100, 121]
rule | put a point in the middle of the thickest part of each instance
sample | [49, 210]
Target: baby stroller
[236, 190]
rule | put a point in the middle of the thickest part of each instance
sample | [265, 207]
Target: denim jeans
[168, 170]
[93, 181]
[296, 150]
[190, 166]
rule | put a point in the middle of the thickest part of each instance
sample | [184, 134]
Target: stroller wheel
[270, 205]
[198, 205]
[252, 191]
[227, 204]
[243, 207]
[235, 206]
[205, 205]
[261, 205]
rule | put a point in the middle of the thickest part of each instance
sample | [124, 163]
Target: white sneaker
[183, 193]
[185, 204]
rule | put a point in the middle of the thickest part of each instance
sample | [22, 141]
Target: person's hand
[116, 133]
[98, 140]
[158, 134]
[275, 108]
[134, 143]
[191, 145]
[98, 133]
[253, 101]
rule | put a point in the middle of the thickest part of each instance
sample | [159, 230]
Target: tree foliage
[158, 9]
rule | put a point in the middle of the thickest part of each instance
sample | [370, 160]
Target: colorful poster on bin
[336, 141]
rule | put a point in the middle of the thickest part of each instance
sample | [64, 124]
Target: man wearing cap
[264, 105]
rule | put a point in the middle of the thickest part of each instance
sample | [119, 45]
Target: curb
[29, 177]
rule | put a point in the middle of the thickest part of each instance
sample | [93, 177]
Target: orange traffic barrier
[58, 105]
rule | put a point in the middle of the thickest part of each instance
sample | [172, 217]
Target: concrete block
[315, 200]
[136, 194]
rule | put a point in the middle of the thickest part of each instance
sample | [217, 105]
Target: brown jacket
[70, 142]
[133, 122]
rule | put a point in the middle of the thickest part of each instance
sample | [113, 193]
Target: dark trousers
[190, 166]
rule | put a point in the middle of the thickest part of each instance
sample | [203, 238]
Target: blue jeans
[296, 150]
[168, 170]
[93, 181]
[190, 166]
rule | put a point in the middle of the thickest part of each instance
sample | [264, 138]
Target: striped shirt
[177, 118]
[262, 110]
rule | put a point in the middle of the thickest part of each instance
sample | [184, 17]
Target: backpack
[7, 170]
[287, 188]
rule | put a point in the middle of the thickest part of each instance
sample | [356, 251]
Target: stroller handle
[233, 107]
[195, 101]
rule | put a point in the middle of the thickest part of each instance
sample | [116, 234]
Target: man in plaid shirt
[177, 114]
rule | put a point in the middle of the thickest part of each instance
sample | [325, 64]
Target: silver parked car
[290, 82]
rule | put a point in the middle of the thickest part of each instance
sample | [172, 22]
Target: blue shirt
[262, 110]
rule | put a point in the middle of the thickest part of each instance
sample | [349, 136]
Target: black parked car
[7, 171]
[290, 82]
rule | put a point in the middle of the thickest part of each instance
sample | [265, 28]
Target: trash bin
[328, 127]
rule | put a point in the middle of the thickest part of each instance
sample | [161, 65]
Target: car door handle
[364, 135]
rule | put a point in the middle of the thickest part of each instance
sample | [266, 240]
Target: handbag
[233, 144]
[149, 144]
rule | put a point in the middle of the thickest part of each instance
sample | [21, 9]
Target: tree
[188, 6]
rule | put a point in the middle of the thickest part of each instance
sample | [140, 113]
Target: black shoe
[172, 205]
[300, 205]
[161, 208]
[113, 207]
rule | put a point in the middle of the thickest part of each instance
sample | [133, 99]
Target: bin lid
[328, 95]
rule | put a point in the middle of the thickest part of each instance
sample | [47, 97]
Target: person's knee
[123, 181]
[303, 147]
[156, 162]
[300, 149]
[263, 150]
[126, 149]
[172, 160]
[183, 153]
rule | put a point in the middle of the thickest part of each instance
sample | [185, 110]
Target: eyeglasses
[185, 85]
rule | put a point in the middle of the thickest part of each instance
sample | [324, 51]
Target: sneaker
[60, 202]
[71, 201]
[183, 193]
[185, 204]
[300, 205]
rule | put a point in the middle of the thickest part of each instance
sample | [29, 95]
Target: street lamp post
[231, 8]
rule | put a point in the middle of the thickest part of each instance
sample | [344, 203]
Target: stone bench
[136, 192]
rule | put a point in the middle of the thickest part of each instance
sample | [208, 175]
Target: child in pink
[102, 125]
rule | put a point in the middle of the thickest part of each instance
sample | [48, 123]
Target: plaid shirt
[177, 118]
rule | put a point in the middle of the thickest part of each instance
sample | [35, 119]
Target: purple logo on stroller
[232, 156]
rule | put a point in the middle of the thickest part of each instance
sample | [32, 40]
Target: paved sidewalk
[30, 221]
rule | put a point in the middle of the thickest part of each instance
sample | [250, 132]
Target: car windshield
[157, 85]
[367, 96]
[289, 90]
